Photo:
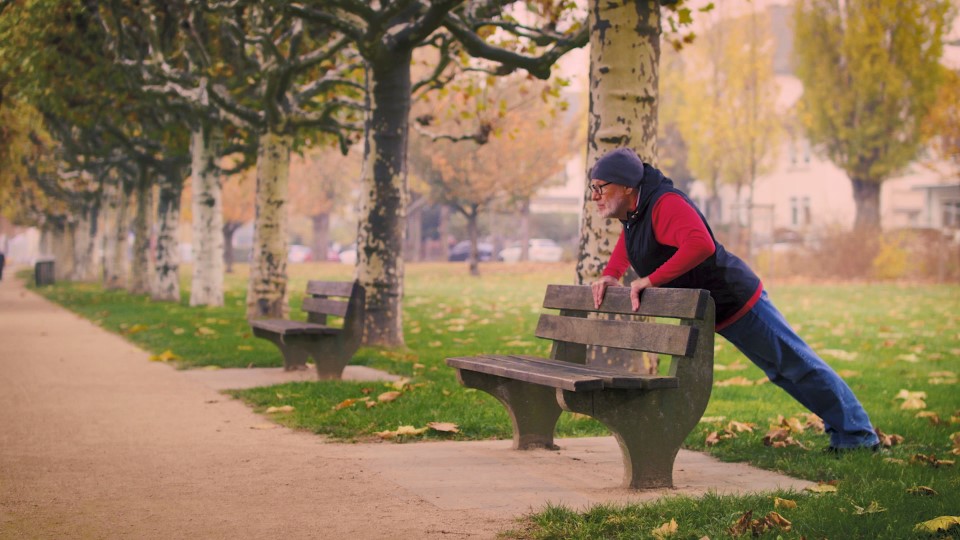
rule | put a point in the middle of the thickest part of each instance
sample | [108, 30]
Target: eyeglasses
[597, 189]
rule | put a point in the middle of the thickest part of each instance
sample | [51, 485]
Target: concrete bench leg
[533, 409]
[294, 356]
[329, 357]
[649, 436]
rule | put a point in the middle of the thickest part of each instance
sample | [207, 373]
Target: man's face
[613, 200]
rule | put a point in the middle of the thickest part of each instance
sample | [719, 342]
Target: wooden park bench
[330, 347]
[650, 415]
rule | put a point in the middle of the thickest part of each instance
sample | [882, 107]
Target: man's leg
[766, 338]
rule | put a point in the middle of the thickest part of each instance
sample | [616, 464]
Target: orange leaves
[888, 441]
[932, 461]
[165, 356]
[755, 527]
[733, 427]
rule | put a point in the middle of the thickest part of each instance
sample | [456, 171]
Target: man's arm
[616, 267]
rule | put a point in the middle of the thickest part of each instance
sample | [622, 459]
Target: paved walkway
[98, 442]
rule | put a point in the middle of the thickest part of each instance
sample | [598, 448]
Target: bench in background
[650, 415]
[330, 347]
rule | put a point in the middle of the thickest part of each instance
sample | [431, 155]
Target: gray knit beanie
[621, 166]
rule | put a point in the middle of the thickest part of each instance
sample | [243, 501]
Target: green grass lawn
[883, 338]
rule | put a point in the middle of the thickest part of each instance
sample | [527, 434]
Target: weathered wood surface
[649, 415]
[330, 347]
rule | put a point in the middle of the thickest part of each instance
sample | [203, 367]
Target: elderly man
[669, 244]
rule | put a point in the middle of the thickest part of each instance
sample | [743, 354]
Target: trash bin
[43, 272]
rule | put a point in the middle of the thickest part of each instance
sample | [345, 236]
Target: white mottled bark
[206, 288]
[624, 79]
[624, 60]
[267, 288]
[140, 268]
[167, 284]
[114, 237]
[85, 245]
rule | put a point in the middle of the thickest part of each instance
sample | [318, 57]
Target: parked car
[541, 250]
[297, 253]
[348, 255]
[461, 251]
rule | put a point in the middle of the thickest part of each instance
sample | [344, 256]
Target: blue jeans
[764, 336]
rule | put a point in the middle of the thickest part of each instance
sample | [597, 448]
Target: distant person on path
[668, 243]
[3, 259]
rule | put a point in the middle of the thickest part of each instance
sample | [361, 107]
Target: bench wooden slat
[634, 335]
[330, 288]
[613, 377]
[286, 327]
[672, 303]
[325, 306]
[556, 376]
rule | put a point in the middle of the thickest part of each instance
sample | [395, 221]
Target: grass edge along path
[898, 347]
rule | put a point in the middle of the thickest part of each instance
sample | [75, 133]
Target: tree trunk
[167, 285]
[229, 228]
[524, 228]
[140, 274]
[381, 231]
[624, 61]
[474, 256]
[115, 236]
[206, 286]
[321, 236]
[624, 79]
[61, 242]
[86, 242]
[866, 195]
[267, 290]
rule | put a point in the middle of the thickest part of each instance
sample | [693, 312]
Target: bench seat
[286, 327]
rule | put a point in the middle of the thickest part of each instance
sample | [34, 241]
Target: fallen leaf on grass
[401, 432]
[932, 461]
[735, 381]
[445, 427]
[784, 503]
[178, 331]
[846, 356]
[955, 439]
[924, 491]
[666, 530]
[136, 328]
[387, 397]
[912, 400]
[244, 347]
[165, 356]
[711, 419]
[872, 508]
[937, 525]
[930, 415]
[822, 488]
[344, 404]
[280, 409]
[757, 527]
[740, 427]
[204, 331]
[888, 441]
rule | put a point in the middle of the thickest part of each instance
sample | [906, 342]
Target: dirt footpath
[98, 442]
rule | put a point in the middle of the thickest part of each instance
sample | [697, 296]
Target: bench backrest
[572, 331]
[338, 298]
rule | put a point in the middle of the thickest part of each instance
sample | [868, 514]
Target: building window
[800, 211]
[951, 215]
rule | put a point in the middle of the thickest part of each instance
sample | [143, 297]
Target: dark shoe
[837, 451]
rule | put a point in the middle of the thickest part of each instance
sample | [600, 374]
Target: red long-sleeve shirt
[677, 224]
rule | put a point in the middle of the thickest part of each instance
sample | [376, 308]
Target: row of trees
[107, 102]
